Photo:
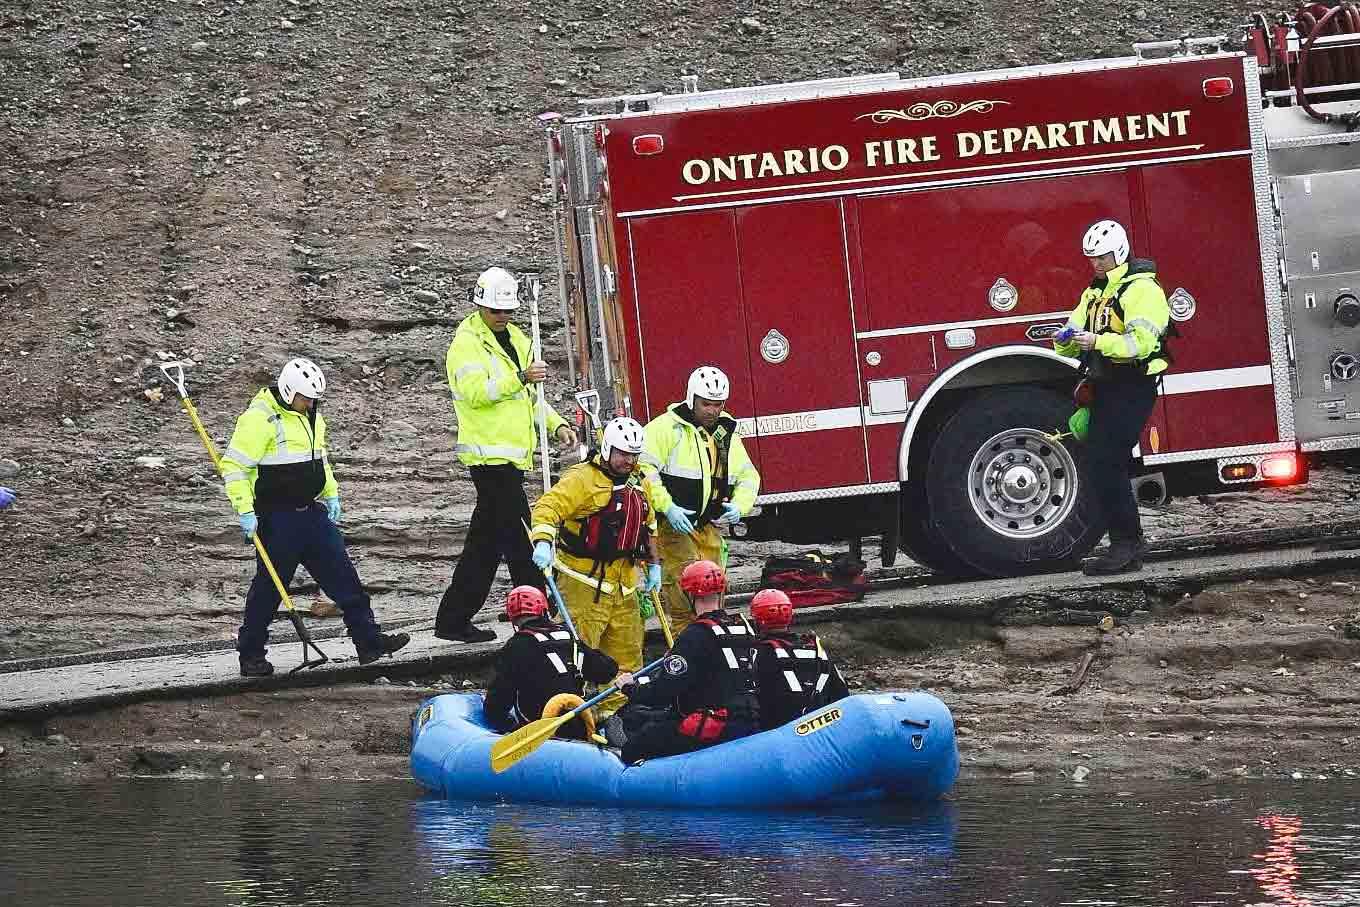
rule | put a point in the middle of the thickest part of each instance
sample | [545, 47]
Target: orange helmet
[703, 578]
[525, 601]
[771, 610]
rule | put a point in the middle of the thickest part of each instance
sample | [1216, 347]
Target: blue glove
[542, 555]
[652, 580]
[332, 508]
[1066, 334]
[249, 525]
[678, 517]
[731, 514]
[6, 497]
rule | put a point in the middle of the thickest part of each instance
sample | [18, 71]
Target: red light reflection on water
[1281, 871]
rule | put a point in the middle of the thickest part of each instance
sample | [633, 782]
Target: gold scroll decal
[927, 110]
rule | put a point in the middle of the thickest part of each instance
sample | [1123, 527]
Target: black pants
[653, 733]
[496, 531]
[1119, 412]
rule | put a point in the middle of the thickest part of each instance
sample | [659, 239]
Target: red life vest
[617, 530]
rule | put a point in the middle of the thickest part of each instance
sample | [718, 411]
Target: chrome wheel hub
[1021, 484]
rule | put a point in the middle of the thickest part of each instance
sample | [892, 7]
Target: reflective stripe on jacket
[276, 459]
[1128, 313]
[496, 422]
[677, 456]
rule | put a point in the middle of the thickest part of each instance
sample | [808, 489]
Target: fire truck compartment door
[795, 286]
[689, 310]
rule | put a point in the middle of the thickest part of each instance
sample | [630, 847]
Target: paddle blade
[514, 746]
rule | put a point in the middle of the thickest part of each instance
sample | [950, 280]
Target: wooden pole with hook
[174, 372]
[541, 407]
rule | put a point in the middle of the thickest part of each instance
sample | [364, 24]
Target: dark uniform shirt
[539, 661]
[794, 676]
[709, 668]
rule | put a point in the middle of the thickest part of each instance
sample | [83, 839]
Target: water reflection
[1281, 872]
[611, 856]
[166, 844]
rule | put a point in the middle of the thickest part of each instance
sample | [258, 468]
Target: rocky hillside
[239, 181]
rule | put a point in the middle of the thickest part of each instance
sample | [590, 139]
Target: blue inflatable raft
[874, 746]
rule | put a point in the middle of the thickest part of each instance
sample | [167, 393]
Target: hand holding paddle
[517, 744]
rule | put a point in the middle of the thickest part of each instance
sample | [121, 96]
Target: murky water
[162, 843]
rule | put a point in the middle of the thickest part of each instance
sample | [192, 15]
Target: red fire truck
[879, 266]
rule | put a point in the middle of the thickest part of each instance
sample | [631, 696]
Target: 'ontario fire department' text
[900, 151]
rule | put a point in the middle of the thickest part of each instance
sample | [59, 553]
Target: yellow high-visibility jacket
[680, 458]
[1128, 313]
[277, 458]
[496, 411]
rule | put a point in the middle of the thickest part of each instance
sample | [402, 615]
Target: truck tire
[921, 539]
[1005, 499]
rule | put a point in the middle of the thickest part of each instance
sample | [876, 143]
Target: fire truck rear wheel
[921, 539]
[1005, 498]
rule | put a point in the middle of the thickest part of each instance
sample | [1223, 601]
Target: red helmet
[525, 601]
[703, 578]
[771, 610]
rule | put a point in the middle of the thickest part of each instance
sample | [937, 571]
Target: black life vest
[722, 480]
[561, 674]
[731, 684]
[799, 671]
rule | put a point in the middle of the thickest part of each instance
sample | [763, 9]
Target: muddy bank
[1255, 679]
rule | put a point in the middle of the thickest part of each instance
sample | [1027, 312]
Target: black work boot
[387, 644]
[256, 666]
[469, 632]
[1124, 556]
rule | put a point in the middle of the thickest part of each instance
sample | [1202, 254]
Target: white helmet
[497, 289]
[708, 382]
[623, 433]
[1106, 236]
[301, 376]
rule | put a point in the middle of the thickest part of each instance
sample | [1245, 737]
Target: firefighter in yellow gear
[1118, 331]
[601, 522]
[701, 478]
[492, 379]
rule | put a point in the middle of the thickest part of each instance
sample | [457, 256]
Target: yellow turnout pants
[678, 552]
[610, 624]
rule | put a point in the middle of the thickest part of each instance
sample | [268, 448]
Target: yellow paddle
[514, 746]
[662, 618]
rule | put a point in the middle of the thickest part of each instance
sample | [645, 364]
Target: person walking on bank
[599, 519]
[1118, 330]
[701, 479]
[492, 378]
[278, 476]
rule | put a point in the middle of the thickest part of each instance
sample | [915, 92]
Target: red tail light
[1281, 468]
